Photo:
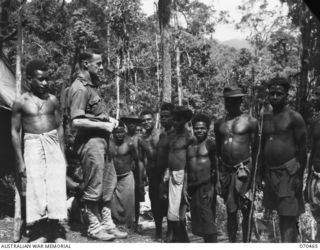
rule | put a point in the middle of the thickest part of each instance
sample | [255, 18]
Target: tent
[7, 160]
[7, 84]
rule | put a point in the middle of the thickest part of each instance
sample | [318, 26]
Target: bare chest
[237, 126]
[198, 151]
[38, 107]
[277, 124]
[119, 150]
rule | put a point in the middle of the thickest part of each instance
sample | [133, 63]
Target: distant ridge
[237, 43]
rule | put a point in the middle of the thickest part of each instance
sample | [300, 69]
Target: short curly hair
[146, 112]
[201, 117]
[282, 81]
[35, 65]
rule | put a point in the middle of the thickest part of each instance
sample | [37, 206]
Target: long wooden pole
[17, 199]
[254, 186]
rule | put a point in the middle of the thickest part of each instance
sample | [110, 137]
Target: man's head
[139, 130]
[166, 115]
[131, 122]
[37, 75]
[147, 120]
[91, 61]
[119, 132]
[232, 98]
[201, 125]
[181, 116]
[278, 92]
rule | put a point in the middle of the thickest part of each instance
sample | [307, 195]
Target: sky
[223, 32]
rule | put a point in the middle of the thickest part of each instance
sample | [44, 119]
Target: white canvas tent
[7, 160]
[7, 84]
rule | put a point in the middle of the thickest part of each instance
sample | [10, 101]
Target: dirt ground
[77, 232]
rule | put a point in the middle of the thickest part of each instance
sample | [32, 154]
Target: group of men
[184, 170]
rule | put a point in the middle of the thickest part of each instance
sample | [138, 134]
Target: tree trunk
[305, 58]
[108, 45]
[164, 18]
[158, 85]
[179, 81]
[118, 88]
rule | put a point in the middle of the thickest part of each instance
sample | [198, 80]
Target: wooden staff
[254, 186]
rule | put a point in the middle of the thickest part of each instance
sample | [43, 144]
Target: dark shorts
[202, 214]
[98, 173]
[283, 190]
[233, 188]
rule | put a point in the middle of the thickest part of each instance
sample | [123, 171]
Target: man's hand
[22, 169]
[23, 180]
[186, 196]
[114, 121]
[108, 126]
[166, 176]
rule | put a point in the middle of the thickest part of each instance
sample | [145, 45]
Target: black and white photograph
[159, 121]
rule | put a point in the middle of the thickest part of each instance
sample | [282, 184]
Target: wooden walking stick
[255, 168]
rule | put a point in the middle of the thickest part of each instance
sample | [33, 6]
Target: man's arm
[146, 148]
[59, 123]
[16, 135]
[218, 138]
[80, 119]
[300, 136]
[254, 138]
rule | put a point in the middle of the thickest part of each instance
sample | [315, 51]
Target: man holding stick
[236, 140]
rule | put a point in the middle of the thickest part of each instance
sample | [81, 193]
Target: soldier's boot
[95, 229]
[109, 226]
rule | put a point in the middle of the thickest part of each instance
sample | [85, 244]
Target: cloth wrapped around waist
[237, 176]
[175, 194]
[46, 177]
[235, 183]
[282, 178]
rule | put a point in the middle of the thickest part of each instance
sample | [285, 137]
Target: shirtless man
[202, 176]
[42, 163]
[283, 159]
[151, 137]
[178, 197]
[236, 140]
[166, 121]
[132, 123]
[312, 191]
[123, 154]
